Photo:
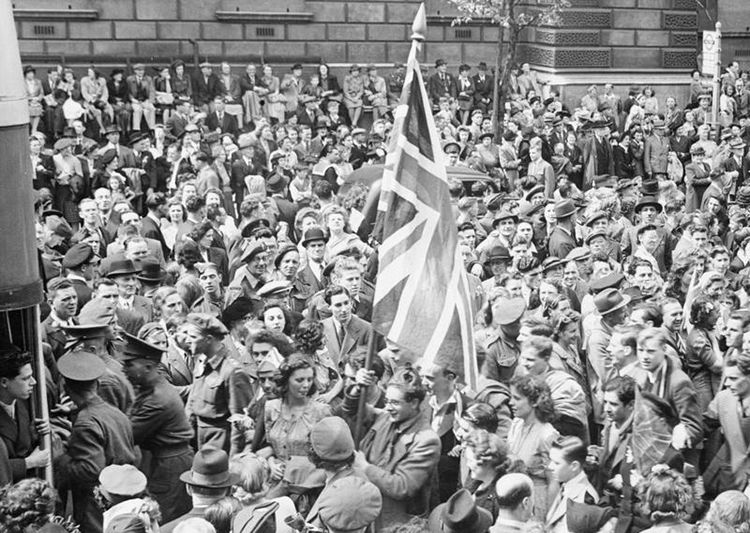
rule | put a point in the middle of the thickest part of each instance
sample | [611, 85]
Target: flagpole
[418, 31]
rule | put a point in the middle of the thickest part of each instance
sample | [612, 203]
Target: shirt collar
[9, 408]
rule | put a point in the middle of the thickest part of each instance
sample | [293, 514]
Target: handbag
[164, 98]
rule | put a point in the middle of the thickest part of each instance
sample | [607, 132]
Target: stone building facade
[628, 41]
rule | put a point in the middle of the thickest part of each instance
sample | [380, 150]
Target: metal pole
[41, 379]
[717, 82]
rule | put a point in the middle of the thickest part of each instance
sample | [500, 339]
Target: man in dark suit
[205, 490]
[243, 166]
[122, 272]
[343, 331]
[221, 121]
[441, 84]
[309, 111]
[276, 187]
[597, 154]
[180, 118]
[151, 223]
[736, 166]
[124, 154]
[63, 300]
[619, 400]
[206, 87]
[562, 239]
[314, 242]
[79, 262]
[484, 88]
[358, 153]
[19, 432]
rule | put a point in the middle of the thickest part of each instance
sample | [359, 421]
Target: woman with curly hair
[488, 459]
[729, 513]
[28, 506]
[287, 420]
[310, 341]
[203, 234]
[667, 500]
[703, 357]
[531, 436]
[340, 237]
[276, 317]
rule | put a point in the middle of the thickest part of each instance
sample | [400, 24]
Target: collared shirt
[57, 322]
[125, 303]
[452, 406]
[9, 408]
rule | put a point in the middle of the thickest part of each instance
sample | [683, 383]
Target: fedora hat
[737, 144]
[610, 300]
[503, 215]
[151, 271]
[460, 514]
[648, 201]
[121, 267]
[596, 215]
[314, 234]
[210, 470]
[565, 208]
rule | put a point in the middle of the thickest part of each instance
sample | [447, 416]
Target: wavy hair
[666, 495]
[538, 394]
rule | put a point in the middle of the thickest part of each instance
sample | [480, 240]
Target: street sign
[711, 53]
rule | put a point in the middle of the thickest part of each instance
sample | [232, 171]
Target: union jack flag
[422, 297]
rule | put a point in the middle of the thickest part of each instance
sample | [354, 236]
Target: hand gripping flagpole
[418, 31]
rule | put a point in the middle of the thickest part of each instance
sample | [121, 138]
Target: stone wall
[596, 34]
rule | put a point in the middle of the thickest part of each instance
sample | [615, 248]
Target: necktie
[221, 117]
[340, 334]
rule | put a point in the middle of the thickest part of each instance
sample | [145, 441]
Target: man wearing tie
[567, 458]
[483, 89]
[441, 84]
[314, 242]
[344, 332]
[63, 300]
[221, 121]
[142, 96]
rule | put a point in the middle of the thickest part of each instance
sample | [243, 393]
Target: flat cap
[81, 365]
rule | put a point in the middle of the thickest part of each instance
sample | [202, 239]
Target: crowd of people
[210, 267]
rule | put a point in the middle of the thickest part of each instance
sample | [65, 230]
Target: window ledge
[268, 16]
[56, 14]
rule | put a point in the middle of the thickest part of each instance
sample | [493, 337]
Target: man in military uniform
[160, 427]
[94, 336]
[101, 436]
[221, 387]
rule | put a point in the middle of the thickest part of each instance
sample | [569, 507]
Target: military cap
[350, 503]
[97, 311]
[135, 348]
[81, 365]
[578, 254]
[609, 281]
[78, 255]
[87, 331]
[208, 324]
[594, 234]
[253, 249]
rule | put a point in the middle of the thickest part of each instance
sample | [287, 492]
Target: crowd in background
[209, 254]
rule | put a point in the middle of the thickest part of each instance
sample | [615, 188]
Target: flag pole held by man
[422, 297]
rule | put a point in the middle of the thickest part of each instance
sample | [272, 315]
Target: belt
[213, 422]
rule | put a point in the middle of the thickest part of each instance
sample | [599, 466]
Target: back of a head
[511, 489]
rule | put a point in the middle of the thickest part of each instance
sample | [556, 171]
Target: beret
[208, 324]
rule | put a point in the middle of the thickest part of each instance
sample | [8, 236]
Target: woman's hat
[460, 514]
[533, 191]
[210, 470]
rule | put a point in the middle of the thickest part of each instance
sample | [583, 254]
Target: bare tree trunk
[496, 92]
